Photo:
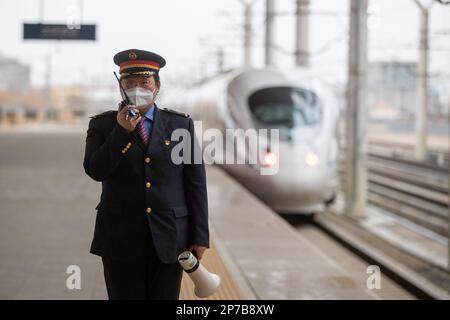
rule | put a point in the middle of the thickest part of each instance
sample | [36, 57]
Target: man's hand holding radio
[125, 120]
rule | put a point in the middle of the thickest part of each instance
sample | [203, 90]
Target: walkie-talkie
[126, 102]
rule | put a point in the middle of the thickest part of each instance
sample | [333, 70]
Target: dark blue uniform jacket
[144, 191]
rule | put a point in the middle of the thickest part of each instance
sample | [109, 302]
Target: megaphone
[205, 282]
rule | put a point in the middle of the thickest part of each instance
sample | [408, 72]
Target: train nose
[301, 180]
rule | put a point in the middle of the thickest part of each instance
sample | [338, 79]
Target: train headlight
[311, 159]
[270, 158]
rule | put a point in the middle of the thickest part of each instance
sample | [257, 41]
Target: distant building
[14, 76]
[392, 91]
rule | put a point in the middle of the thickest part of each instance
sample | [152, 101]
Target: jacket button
[149, 210]
[147, 160]
[148, 185]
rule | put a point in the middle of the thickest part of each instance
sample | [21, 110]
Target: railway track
[413, 190]
[406, 151]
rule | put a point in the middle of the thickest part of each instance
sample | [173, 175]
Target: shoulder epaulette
[176, 112]
[106, 113]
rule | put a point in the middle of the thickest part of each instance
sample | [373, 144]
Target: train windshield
[286, 107]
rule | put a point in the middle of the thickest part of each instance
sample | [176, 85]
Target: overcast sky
[188, 33]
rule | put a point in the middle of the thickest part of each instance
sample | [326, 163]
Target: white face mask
[140, 97]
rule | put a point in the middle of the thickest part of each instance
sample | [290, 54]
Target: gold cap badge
[132, 55]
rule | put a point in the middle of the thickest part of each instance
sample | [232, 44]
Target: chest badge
[167, 142]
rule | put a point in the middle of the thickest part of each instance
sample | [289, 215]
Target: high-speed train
[300, 116]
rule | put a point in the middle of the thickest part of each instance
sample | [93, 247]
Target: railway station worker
[151, 208]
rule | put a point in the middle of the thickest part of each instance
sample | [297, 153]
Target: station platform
[407, 140]
[47, 220]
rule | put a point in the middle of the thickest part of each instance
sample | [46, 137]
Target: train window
[286, 107]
